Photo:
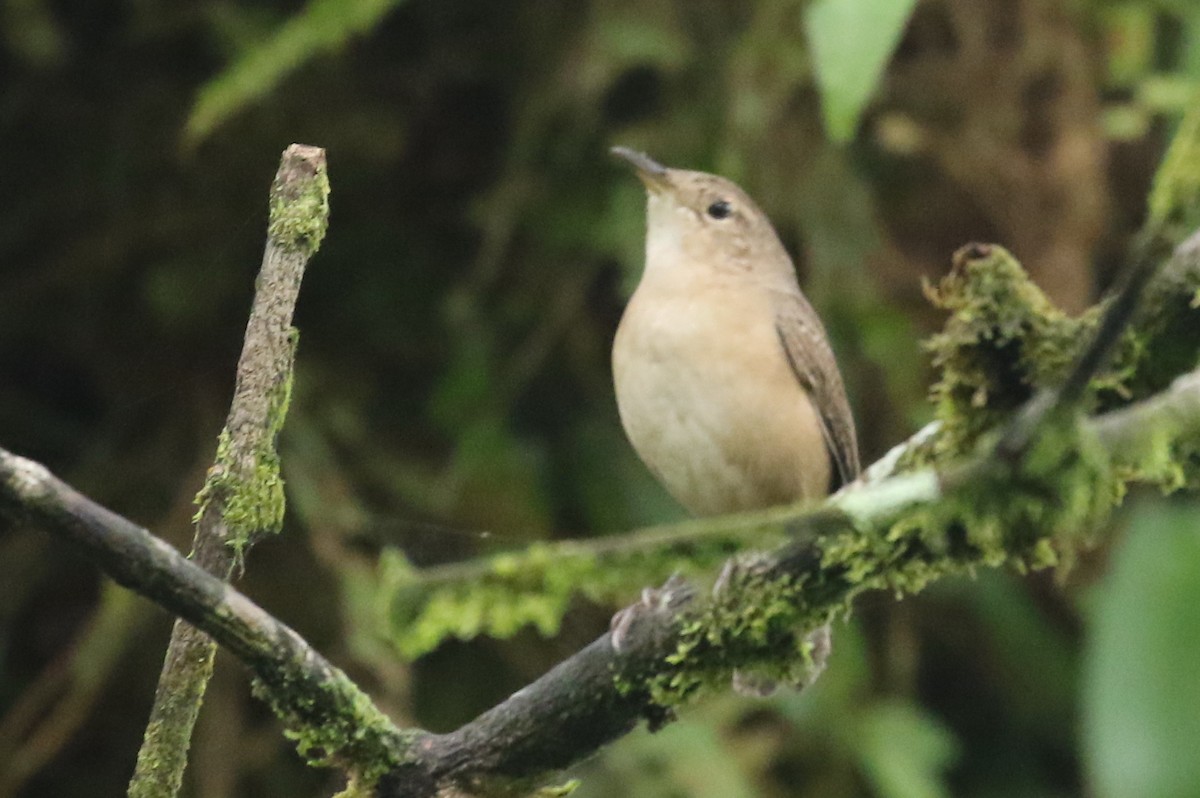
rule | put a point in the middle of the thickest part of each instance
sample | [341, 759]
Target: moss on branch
[1003, 341]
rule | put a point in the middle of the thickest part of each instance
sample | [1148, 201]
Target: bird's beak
[656, 176]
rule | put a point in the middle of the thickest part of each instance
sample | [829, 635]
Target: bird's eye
[720, 209]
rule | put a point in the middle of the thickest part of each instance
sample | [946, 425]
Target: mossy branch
[332, 720]
[1004, 343]
[242, 497]
[957, 499]
[897, 534]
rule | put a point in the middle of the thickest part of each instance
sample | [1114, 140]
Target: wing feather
[808, 351]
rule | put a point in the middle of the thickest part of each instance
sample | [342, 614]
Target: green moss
[254, 504]
[534, 587]
[1166, 332]
[251, 506]
[345, 729]
[1003, 341]
[758, 623]
[299, 213]
[1030, 516]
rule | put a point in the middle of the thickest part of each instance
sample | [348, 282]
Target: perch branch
[901, 532]
[579, 705]
[588, 700]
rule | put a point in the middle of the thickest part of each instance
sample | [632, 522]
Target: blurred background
[453, 393]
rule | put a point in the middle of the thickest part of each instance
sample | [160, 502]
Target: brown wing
[813, 363]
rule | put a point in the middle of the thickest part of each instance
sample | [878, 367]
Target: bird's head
[697, 220]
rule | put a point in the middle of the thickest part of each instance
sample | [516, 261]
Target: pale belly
[719, 418]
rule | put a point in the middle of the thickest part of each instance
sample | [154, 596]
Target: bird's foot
[748, 682]
[653, 599]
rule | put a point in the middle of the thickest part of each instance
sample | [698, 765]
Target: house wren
[725, 381]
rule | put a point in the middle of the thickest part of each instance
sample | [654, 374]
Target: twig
[242, 496]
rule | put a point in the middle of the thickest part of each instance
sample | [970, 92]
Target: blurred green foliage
[323, 26]
[453, 394]
[1140, 689]
[851, 42]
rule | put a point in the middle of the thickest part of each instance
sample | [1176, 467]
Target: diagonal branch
[308, 692]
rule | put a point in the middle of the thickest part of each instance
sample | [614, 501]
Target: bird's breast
[710, 403]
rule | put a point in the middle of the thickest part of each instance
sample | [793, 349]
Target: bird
[726, 384]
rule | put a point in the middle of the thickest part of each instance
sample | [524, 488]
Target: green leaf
[322, 26]
[1141, 691]
[1174, 202]
[1129, 41]
[904, 751]
[851, 42]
